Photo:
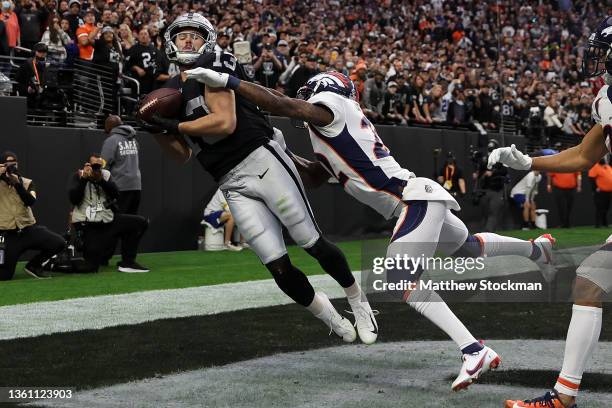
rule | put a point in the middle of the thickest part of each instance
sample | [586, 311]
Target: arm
[577, 158]
[76, 189]
[175, 147]
[579, 182]
[27, 196]
[548, 183]
[110, 188]
[312, 173]
[108, 152]
[221, 121]
[462, 185]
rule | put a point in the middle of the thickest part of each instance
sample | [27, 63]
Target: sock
[317, 306]
[498, 245]
[582, 337]
[353, 292]
[430, 304]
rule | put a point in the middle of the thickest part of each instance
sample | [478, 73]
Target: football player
[232, 140]
[348, 148]
[594, 275]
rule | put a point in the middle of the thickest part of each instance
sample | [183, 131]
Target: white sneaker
[231, 247]
[245, 245]
[365, 322]
[336, 323]
[474, 365]
[545, 242]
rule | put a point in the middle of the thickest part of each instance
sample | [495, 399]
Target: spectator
[564, 186]
[601, 181]
[223, 42]
[56, 40]
[359, 77]
[301, 74]
[420, 101]
[92, 192]
[86, 36]
[107, 51]
[142, 61]
[523, 194]
[126, 38]
[268, 67]
[32, 16]
[457, 110]
[570, 123]
[451, 177]
[11, 24]
[373, 96]
[393, 108]
[4, 47]
[551, 119]
[120, 151]
[31, 77]
[19, 231]
[217, 215]
[74, 18]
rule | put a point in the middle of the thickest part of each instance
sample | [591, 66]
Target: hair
[6, 154]
[53, 33]
[130, 35]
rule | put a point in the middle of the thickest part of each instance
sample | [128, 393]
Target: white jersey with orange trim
[601, 112]
[352, 152]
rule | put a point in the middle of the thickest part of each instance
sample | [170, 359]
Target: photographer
[18, 229]
[268, 67]
[451, 176]
[93, 193]
[489, 186]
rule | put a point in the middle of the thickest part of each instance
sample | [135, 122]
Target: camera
[96, 167]
[11, 168]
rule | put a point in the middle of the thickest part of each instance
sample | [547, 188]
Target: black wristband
[232, 83]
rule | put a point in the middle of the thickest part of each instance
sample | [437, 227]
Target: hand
[13, 179]
[209, 77]
[149, 127]
[141, 72]
[169, 125]
[510, 157]
[2, 169]
[86, 172]
[549, 188]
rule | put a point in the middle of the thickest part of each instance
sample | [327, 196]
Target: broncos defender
[232, 141]
[594, 275]
[348, 148]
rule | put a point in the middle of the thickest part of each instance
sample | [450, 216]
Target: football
[166, 102]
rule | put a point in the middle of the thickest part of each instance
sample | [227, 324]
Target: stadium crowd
[459, 62]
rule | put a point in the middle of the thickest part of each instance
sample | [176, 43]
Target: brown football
[166, 102]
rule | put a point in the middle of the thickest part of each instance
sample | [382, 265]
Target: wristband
[232, 83]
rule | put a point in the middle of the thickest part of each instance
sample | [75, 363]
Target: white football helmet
[199, 24]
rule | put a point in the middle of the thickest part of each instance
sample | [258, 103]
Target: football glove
[212, 78]
[169, 125]
[510, 157]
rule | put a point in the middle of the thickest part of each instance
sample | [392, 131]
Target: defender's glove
[212, 78]
[510, 157]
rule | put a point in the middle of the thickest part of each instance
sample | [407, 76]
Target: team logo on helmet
[197, 24]
[330, 81]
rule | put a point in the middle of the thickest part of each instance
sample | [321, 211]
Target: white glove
[510, 157]
[209, 77]
[279, 138]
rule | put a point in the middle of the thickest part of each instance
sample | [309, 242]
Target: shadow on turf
[595, 382]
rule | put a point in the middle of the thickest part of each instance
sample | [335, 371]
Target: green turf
[171, 270]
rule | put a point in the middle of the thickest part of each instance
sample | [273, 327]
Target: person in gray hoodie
[120, 152]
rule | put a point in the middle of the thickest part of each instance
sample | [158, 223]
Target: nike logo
[375, 331]
[262, 175]
[478, 366]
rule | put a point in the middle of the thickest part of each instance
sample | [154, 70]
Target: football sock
[582, 337]
[497, 245]
[430, 304]
[353, 292]
[317, 306]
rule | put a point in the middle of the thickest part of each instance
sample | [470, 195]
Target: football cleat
[545, 243]
[365, 322]
[336, 322]
[548, 400]
[474, 365]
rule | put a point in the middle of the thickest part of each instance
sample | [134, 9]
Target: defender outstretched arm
[577, 158]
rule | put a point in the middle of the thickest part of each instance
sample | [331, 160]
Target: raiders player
[349, 149]
[232, 140]
[594, 275]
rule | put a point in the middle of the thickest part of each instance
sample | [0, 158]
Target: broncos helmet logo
[606, 31]
[330, 81]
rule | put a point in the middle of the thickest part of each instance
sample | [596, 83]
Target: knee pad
[291, 280]
[597, 268]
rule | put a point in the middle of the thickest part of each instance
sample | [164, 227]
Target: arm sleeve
[27, 198]
[76, 189]
[110, 188]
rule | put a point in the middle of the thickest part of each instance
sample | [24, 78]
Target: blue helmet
[330, 81]
[597, 58]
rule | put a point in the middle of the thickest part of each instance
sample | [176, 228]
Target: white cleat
[231, 247]
[365, 322]
[336, 322]
[474, 365]
[545, 243]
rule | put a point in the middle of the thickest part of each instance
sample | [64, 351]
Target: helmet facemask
[195, 28]
[595, 60]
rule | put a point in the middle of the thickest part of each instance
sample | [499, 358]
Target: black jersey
[218, 155]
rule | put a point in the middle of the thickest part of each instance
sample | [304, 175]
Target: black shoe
[36, 271]
[131, 267]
